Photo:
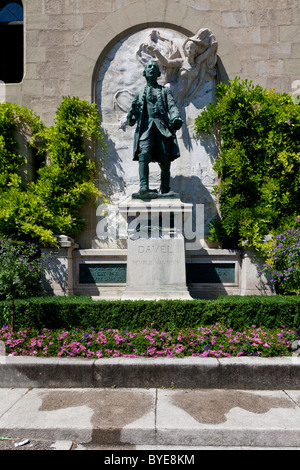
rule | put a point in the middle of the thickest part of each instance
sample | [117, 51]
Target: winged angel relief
[184, 69]
[185, 66]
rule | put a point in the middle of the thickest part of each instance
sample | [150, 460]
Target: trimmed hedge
[82, 312]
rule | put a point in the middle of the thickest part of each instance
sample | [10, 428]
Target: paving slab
[82, 415]
[8, 397]
[137, 418]
[228, 418]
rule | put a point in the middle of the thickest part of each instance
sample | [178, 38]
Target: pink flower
[62, 335]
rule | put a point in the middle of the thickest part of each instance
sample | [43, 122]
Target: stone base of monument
[154, 194]
[156, 249]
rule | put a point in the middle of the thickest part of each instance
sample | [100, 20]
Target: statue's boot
[144, 160]
[165, 178]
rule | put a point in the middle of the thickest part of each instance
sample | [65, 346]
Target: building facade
[60, 48]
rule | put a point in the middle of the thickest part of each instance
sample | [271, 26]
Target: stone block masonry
[58, 36]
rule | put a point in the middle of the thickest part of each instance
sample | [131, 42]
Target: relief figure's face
[191, 49]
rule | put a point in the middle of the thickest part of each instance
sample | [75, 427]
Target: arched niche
[192, 175]
[135, 17]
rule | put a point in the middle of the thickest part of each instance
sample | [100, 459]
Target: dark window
[12, 42]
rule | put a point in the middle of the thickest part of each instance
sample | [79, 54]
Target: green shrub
[15, 119]
[82, 312]
[22, 271]
[50, 204]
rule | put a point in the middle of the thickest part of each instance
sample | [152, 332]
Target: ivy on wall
[49, 204]
[258, 134]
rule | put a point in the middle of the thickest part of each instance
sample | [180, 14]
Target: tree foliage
[258, 133]
[50, 204]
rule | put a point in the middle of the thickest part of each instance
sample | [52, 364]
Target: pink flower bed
[206, 341]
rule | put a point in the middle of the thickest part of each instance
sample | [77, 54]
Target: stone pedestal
[60, 279]
[156, 249]
[251, 283]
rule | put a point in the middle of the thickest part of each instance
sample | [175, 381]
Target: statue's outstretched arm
[174, 63]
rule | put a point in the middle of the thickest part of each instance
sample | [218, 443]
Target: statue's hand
[131, 121]
[176, 123]
[151, 48]
[123, 124]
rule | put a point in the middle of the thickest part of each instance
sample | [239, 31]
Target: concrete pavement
[140, 417]
[190, 403]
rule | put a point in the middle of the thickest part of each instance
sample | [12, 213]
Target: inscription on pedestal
[155, 249]
[155, 253]
[210, 273]
[102, 273]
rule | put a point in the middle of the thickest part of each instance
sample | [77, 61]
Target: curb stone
[193, 372]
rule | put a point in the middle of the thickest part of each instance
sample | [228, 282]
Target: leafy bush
[50, 204]
[82, 312]
[22, 269]
[15, 119]
[68, 182]
[258, 133]
[14, 201]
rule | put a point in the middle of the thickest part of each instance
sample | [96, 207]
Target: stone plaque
[102, 273]
[210, 273]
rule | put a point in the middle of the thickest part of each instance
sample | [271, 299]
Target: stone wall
[65, 40]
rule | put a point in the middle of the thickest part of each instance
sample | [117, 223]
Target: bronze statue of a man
[157, 117]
